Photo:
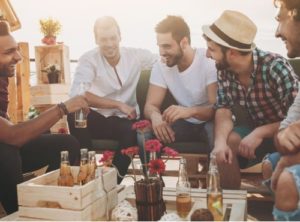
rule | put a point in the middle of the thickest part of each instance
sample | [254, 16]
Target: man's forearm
[101, 102]
[205, 113]
[151, 110]
[223, 126]
[268, 130]
[21, 133]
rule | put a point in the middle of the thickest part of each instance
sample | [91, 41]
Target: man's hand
[249, 144]
[77, 103]
[161, 129]
[128, 110]
[289, 139]
[223, 153]
[174, 112]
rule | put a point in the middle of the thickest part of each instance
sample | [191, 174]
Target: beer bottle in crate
[183, 191]
[92, 166]
[65, 176]
[214, 191]
[84, 167]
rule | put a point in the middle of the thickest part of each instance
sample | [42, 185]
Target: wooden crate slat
[23, 79]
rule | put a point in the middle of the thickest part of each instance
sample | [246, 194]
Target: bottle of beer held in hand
[214, 191]
[65, 176]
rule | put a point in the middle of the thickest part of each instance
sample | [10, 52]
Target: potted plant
[50, 28]
[53, 72]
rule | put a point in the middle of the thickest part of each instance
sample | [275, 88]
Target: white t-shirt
[93, 68]
[189, 88]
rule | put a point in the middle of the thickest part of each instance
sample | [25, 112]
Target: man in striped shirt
[252, 82]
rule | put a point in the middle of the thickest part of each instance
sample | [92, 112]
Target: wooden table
[235, 202]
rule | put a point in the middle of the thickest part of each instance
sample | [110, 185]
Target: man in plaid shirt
[253, 82]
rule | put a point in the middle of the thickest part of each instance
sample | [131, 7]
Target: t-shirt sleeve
[211, 73]
[156, 77]
[84, 73]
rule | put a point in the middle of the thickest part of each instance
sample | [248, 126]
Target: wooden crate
[52, 54]
[42, 199]
[7, 12]
[44, 94]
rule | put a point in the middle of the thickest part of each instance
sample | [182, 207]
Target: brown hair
[292, 5]
[4, 28]
[176, 25]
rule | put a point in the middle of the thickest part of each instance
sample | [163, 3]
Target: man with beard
[286, 177]
[191, 79]
[112, 73]
[259, 84]
[22, 147]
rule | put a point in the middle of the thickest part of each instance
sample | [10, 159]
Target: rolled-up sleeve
[84, 73]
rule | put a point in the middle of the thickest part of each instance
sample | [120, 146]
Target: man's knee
[286, 196]
[266, 170]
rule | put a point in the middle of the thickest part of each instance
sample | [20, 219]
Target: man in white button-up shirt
[113, 73]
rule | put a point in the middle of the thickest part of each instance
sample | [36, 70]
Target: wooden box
[42, 199]
[7, 12]
[44, 94]
[52, 55]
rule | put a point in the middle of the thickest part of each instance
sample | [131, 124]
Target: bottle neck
[182, 175]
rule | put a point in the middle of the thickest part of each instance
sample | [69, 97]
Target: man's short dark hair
[4, 28]
[176, 25]
[292, 5]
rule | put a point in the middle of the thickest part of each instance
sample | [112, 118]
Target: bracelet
[63, 108]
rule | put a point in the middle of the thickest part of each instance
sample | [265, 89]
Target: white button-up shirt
[93, 68]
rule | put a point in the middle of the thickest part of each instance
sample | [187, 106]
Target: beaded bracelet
[63, 107]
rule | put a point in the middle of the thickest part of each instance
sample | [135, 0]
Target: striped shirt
[273, 86]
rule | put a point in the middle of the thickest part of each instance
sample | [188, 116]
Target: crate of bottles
[41, 198]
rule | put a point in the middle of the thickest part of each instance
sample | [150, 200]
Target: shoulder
[130, 51]
[205, 61]
[270, 58]
[90, 55]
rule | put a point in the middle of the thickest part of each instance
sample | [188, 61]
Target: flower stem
[145, 157]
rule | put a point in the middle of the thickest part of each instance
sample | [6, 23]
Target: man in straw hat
[22, 147]
[259, 84]
[286, 177]
[113, 73]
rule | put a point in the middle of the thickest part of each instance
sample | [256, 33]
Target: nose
[208, 55]
[278, 31]
[17, 56]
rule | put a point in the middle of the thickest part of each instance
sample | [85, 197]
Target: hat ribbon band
[229, 40]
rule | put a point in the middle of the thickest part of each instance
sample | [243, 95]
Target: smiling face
[109, 41]
[9, 56]
[289, 31]
[215, 52]
[169, 49]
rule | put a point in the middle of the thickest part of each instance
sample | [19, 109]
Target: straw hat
[233, 30]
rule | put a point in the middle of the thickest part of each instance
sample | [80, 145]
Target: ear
[232, 53]
[184, 42]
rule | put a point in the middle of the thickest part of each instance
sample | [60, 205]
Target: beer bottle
[214, 191]
[83, 171]
[92, 166]
[65, 176]
[183, 191]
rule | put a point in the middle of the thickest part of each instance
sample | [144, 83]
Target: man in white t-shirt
[190, 77]
[112, 73]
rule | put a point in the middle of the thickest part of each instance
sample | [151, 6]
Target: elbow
[14, 140]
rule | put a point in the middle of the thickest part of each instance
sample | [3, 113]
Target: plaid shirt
[271, 91]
